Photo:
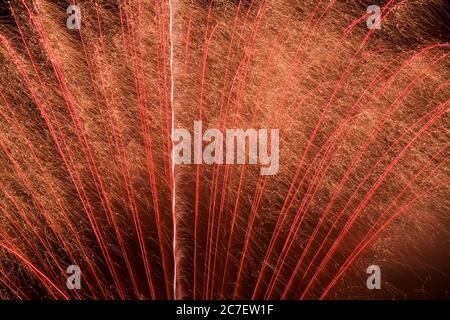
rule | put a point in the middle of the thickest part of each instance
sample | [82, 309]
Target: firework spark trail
[254, 205]
[373, 134]
[33, 89]
[301, 211]
[361, 184]
[233, 220]
[424, 50]
[268, 67]
[124, 170]
[221, 206]
[338, 86]
[284, 210]
[380, 91]
[119, 149]
[39, 273]
[197, 157]
[368, 238]
[319, 224]
[246, 64]
[86, 148]
[368, 241]
[27, 79]
[313, 134]
[174, 235]
[367, 198]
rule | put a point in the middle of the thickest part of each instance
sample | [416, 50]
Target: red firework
[88, 176]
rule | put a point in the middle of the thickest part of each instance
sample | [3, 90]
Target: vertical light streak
[174, 241]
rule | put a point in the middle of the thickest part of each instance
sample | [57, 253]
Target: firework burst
[87, 172]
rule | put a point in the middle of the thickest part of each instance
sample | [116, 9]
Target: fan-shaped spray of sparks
[88, 176]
